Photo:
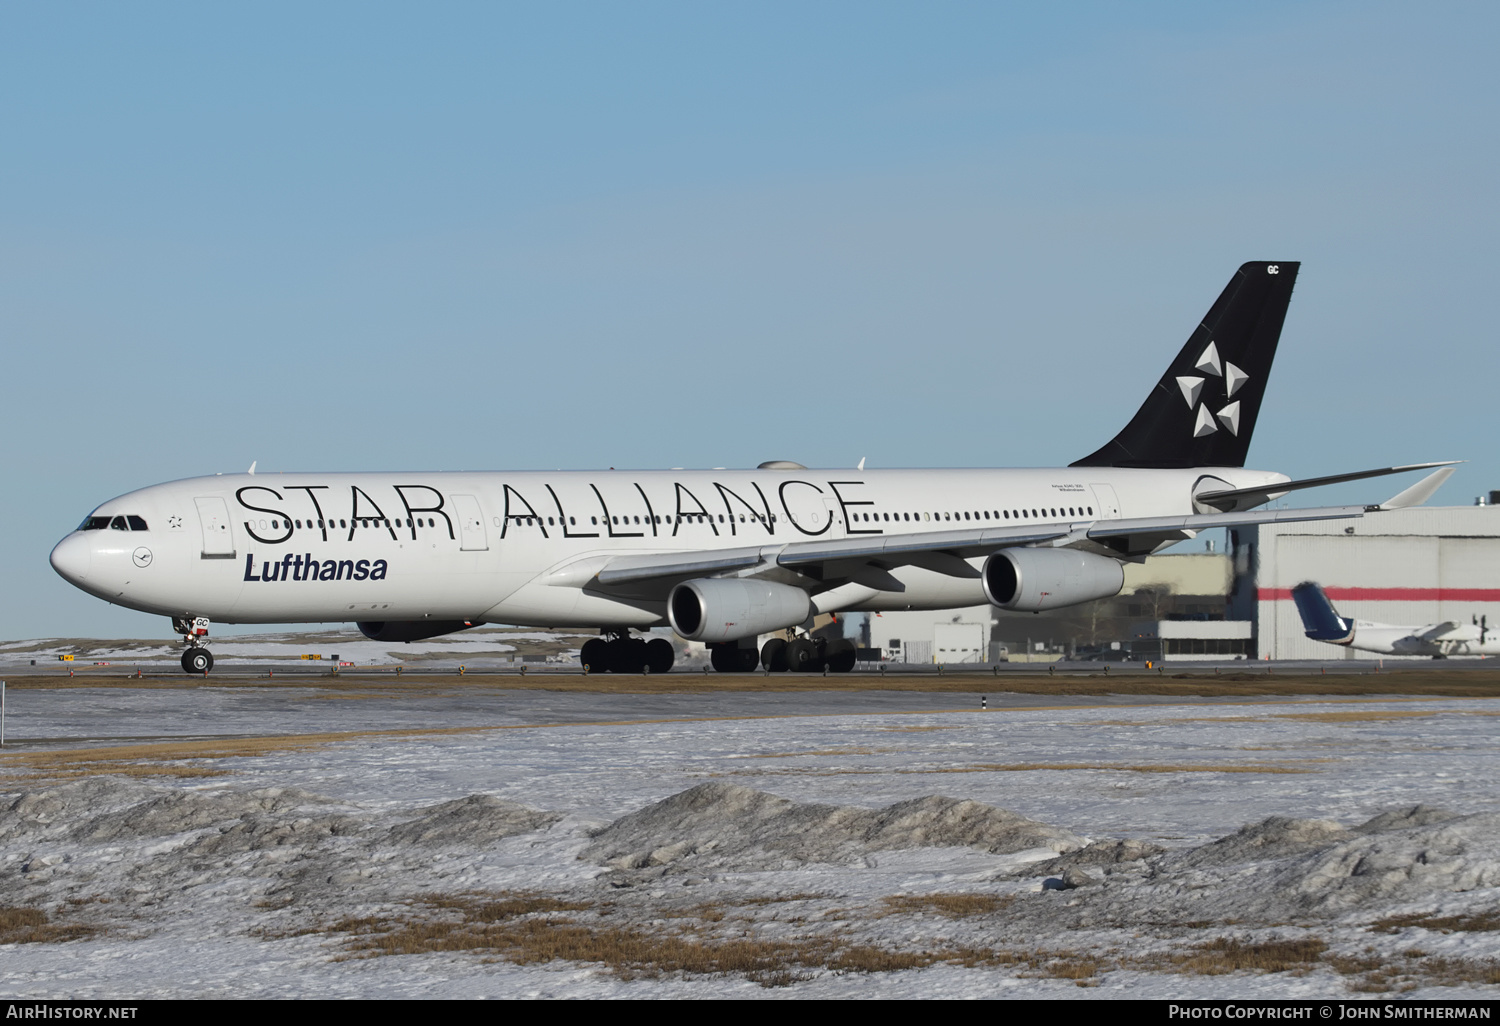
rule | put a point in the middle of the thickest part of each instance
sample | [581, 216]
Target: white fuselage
[1441, 639]
[517, 547]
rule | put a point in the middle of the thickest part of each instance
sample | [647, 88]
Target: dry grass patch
[1227, 955]
[951, 905]
[1414, 681]
[182, 758]
[1354, 717]
[1376, 974]
[709, 940]
[778, 899]
[526, 928]
[1021, 767]
[1474, 922]
[34, 926]
[1371, 972]
[179, 771]
[1290, 767]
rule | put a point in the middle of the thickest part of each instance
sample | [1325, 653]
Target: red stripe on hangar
[1391, 594]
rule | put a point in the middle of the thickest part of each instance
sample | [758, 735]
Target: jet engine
[411, 630]
[1031, 580]
[716, 609]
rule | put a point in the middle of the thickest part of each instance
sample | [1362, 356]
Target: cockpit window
[125, 523]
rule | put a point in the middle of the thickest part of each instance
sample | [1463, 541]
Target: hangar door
[471, 532]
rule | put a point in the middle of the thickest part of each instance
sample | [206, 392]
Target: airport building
[1190, 590]
[1410, 567]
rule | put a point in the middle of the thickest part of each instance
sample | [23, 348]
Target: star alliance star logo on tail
[1192, 389]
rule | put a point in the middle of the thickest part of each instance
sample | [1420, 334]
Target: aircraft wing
[947, 552]
[1448, 631]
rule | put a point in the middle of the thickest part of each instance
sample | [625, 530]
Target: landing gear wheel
[801, 656]
[659, 655]
[728, 657]
[197, 661]
[724, 658]
[841, 655]
[630, 655]
[773, 655]
[595, 655]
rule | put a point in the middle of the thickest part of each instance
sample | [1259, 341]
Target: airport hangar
[1413, 566]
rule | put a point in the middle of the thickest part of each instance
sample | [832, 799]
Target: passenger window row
[1009, 514]
[626, 521]
[866, 518]
[313, 525]
[135, 523]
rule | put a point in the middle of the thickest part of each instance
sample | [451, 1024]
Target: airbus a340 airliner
[723, 556]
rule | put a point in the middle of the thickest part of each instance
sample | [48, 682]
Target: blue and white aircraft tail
[1321, 622]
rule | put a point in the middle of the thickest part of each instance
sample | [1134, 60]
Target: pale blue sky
[463, 236]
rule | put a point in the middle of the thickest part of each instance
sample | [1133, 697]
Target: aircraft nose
[71, 558]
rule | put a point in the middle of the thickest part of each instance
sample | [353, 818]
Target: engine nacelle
[1031, 580]
[727, 609]
[411, 630]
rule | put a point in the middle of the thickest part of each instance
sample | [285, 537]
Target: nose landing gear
[197, 659]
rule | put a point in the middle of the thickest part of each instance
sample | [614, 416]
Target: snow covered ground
[741, 844]
[480, 647]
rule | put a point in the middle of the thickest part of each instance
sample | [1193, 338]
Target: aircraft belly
[543, 605]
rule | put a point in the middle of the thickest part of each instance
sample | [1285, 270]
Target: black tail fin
[1202, 412]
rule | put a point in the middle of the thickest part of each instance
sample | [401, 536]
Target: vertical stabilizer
[1202, 412]
[1320, 620]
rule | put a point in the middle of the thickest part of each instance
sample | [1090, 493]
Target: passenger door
[218, 539]
[472, 535]
[1109, 504]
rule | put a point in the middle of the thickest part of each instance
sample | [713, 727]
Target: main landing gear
[728, 657]
[786, 655]
[621, 653]
[197, 659]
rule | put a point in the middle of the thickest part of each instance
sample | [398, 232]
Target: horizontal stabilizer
[1262, 493]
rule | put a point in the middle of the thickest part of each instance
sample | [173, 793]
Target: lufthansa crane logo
[1206, 422]
[142, 556]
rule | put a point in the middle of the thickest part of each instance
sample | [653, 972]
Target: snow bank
[726, 826]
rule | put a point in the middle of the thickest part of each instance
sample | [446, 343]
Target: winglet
[1419, 492]
[252, 466]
